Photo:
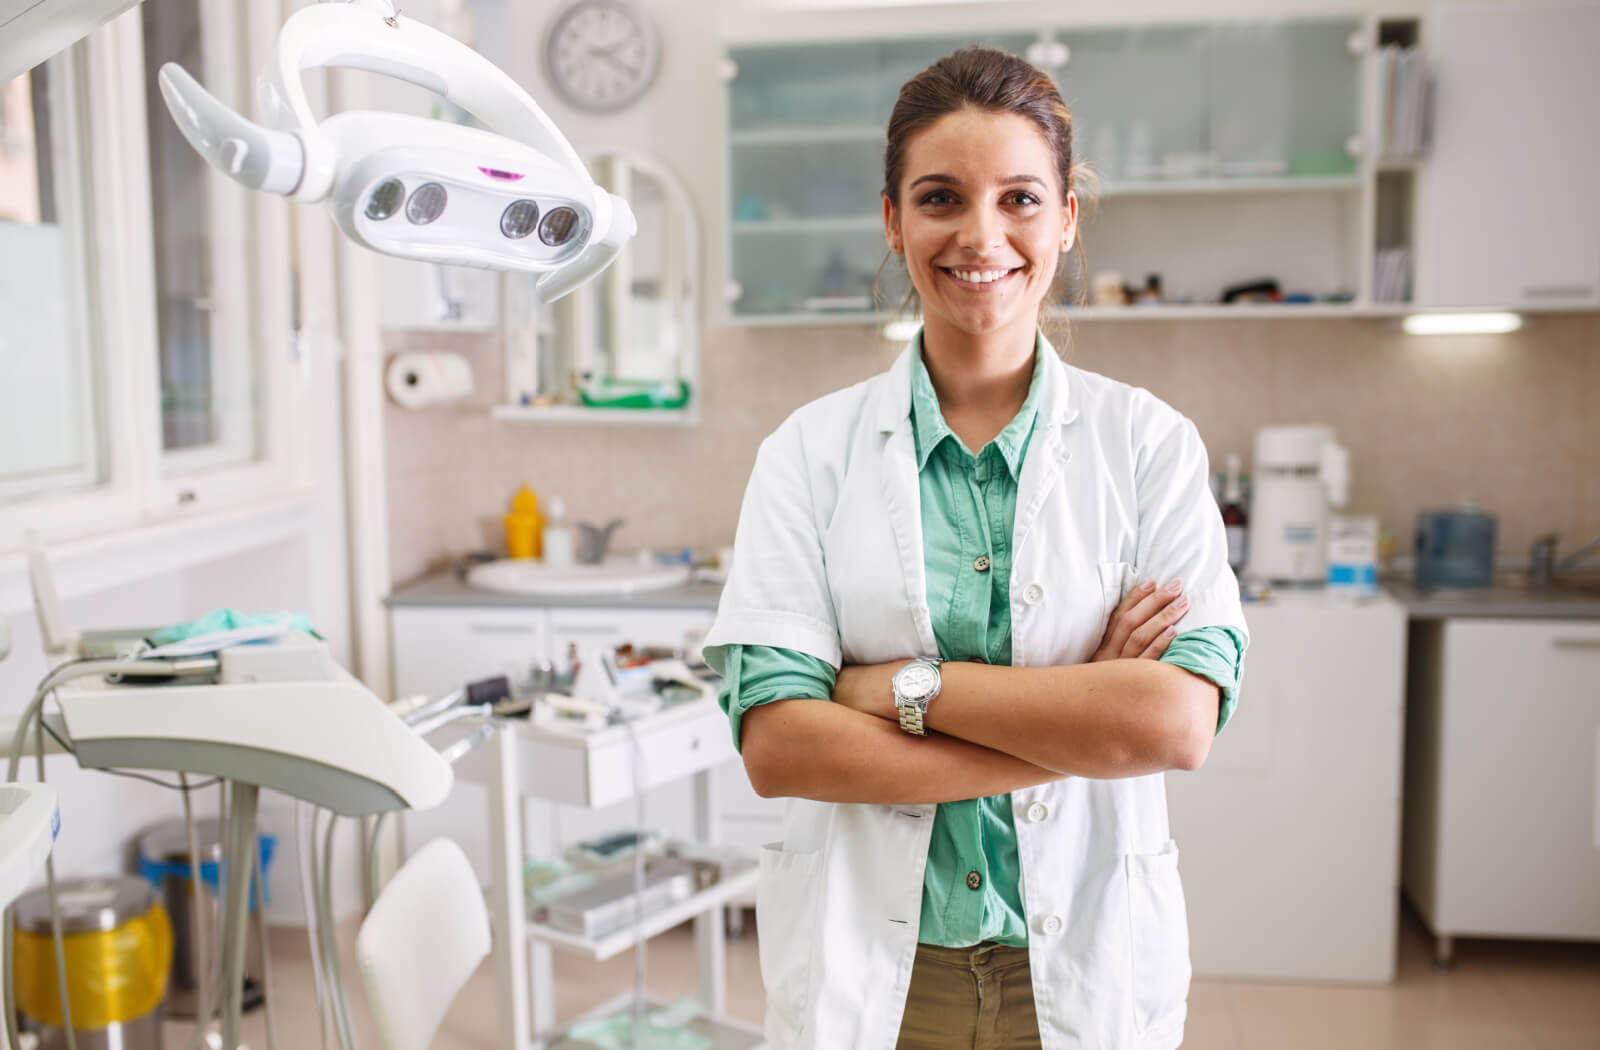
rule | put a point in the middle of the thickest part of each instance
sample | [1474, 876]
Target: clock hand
[610, 56]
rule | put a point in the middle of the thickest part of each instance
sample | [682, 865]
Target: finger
[1122, 621]
[1169, 616]
[1159, 645]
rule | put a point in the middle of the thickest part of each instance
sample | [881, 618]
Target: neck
[986, 375]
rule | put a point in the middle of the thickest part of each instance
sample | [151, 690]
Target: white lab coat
[828, 560]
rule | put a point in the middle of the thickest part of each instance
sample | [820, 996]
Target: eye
[1022, 198]
[937, 197]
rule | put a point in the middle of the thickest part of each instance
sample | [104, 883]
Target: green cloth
[225, 620]
[968, 510]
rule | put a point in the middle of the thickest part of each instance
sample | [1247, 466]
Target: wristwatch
[915, 686]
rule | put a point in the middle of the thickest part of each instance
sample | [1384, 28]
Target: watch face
[917, 681]
[601, 54]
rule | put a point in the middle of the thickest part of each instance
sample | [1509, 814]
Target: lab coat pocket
[786, 908]
[1117, 578]
[1158, 928]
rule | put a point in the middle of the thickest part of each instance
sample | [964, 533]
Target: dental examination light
[516, 197]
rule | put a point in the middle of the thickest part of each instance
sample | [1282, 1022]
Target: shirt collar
[1054, 379]
[931, 430]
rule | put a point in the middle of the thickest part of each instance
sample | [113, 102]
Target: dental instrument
[516, 197]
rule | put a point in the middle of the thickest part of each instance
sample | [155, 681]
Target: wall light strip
[1462, 324]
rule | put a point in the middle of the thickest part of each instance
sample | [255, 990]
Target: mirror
[629, 340]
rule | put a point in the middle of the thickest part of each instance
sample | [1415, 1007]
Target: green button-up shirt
[972, 883]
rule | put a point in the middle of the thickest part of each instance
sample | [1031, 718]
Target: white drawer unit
[1502, 817]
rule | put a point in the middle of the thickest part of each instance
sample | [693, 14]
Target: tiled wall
[1512, 422]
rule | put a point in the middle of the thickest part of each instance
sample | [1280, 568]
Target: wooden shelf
[741, 885]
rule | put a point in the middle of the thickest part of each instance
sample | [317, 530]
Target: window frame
[144, 484]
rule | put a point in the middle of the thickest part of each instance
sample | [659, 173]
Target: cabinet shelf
[742, 884]
[803, 136]
[720, 1033]
[1225, 184]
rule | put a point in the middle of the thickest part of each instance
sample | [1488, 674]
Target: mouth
[986, 280]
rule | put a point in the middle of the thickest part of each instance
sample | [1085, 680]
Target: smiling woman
[943, 631]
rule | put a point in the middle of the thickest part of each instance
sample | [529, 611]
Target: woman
[977, 853]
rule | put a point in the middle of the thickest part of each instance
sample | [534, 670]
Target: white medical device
[1300, 473]
[29, 821]
[516, 197]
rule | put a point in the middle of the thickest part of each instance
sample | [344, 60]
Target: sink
[611, 578]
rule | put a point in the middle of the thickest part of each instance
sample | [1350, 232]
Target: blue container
[1455, 548]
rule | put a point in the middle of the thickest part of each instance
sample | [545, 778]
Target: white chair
[423, 938]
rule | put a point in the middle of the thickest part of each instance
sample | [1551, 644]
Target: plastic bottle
[524, 525]
[558, 543]
[1234, 519]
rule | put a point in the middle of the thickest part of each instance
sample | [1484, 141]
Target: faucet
[594, 540]
[1543, 565]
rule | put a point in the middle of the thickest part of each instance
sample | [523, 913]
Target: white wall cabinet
[1506, 209]
[1290, 832]
[1502, 820]
[440, 648]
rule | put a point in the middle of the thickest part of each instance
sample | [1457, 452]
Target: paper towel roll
[417, 379]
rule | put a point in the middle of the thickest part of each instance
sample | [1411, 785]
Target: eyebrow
[953, 181]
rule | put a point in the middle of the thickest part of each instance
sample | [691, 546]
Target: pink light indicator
[496, 173]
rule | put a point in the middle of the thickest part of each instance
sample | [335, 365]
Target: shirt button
[982, 564]
[1033, 594]
[1051, 924]
[1038, 812]
[974, 880]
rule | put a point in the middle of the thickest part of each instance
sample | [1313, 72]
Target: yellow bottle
[524, 525]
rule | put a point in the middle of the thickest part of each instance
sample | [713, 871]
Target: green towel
[227, 620]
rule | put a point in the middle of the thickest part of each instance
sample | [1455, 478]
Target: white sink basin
[614, 576]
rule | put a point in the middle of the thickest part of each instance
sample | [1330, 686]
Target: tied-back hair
[992, 80]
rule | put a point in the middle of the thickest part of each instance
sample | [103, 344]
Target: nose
[982, 229]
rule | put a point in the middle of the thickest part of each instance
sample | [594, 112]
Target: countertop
[1509, 600]
[448, 589]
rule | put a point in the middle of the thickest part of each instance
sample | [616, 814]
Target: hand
[868, 688]
[1143, 625]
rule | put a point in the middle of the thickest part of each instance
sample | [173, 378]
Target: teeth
[979, 276]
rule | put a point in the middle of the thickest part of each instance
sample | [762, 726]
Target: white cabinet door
[1503, 808]
[440, 649]
[1506, 209]
[1290, 832]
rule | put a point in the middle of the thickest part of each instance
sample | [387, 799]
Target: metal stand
[241, 855]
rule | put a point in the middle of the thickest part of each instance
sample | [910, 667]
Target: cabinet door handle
[1575, 643]
[500, 628]
[600, 631]
[1558, 291]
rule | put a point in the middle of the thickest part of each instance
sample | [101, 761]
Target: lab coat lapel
[1048, 453]
[903, 495]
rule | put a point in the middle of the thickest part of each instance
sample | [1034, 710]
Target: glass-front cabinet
[1211, 114]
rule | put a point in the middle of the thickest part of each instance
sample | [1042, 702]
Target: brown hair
[984, 78]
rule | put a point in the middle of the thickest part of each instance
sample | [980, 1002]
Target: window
[51, 441]
[144, 353]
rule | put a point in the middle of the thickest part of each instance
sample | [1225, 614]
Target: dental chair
[427, 933]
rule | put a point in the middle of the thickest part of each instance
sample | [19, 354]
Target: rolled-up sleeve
[1215, 654]
[759, 674]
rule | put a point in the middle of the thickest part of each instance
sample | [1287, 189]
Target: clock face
[917, 680]
[601, 54]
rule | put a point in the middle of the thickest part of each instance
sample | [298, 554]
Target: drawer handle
[500, 628]
[603, 632]
[1576, 643]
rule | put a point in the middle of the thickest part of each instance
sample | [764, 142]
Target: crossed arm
[993, 729]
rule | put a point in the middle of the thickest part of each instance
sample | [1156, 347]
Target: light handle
[253, 156]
